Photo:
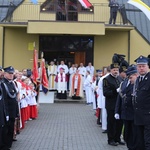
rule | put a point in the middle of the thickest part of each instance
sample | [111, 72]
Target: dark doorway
[73, 49]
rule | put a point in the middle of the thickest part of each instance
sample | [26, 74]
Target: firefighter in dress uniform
[124, 108]
[11, 106]
[142, 104]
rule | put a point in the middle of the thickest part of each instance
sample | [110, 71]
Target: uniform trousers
[8, 132]
[143, 140]
[0, 137]
[130, 134]
[114, 127]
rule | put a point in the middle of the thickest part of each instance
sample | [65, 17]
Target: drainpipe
[129, 47]
[3, 47]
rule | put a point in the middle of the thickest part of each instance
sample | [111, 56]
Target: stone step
[69, 100]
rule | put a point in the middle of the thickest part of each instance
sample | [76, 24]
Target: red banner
[35, 74]
[44, 79]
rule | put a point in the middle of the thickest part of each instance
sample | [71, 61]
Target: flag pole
[40, 77]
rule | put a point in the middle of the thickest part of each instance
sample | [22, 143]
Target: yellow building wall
[138, 46]
[16, 48]
[1, 45]
[106, 46]
[17, 53]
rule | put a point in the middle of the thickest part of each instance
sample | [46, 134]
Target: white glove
[117, 116]
[7, 118]
[118, 90]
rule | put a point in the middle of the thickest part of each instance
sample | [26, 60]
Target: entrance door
[79, 57]
[75, 49]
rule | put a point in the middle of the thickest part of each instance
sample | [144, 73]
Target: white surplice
[88, 88]
[101, 102]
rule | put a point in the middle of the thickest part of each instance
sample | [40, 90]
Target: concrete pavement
[63, 126]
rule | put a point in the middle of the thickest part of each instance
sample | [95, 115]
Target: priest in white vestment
[52, 72]
[72, 71]
[76, 89]
[61, 80]
[62, 65]
[82, 71]
[90, 68]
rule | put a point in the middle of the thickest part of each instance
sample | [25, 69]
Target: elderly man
[110, 90]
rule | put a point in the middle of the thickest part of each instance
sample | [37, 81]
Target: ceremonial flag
[142, 6]
[34, 1]
[35, 76]
[85, 3]
[44, 79]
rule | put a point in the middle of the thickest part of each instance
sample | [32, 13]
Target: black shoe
[18, 132]
[121, 143]
[112, 143]
[99, 123]
[14, 140]
[105, 131]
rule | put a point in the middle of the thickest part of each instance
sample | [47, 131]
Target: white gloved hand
[117, 116]
[118, 90]
[7, 118]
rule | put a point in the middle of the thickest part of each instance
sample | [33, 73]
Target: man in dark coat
[11, 105]
[2, 117]
[142, 104]
[124, 108]
[113, 4]
[110, 90]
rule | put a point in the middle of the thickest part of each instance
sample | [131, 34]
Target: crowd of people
[18, 104]
[122, 98]
[75, 79]
[119, 94]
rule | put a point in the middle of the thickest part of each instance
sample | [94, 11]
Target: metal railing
[99, 12]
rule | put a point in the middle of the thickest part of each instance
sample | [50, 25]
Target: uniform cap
[9, 69]
[97, 71]
[141, 60]
[131, 70]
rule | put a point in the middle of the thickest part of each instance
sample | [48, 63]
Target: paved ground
[63, 126]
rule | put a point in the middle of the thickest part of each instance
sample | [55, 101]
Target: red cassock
[33, 111]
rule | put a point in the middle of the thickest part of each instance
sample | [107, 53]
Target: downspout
[3, 47]
[129, 47]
